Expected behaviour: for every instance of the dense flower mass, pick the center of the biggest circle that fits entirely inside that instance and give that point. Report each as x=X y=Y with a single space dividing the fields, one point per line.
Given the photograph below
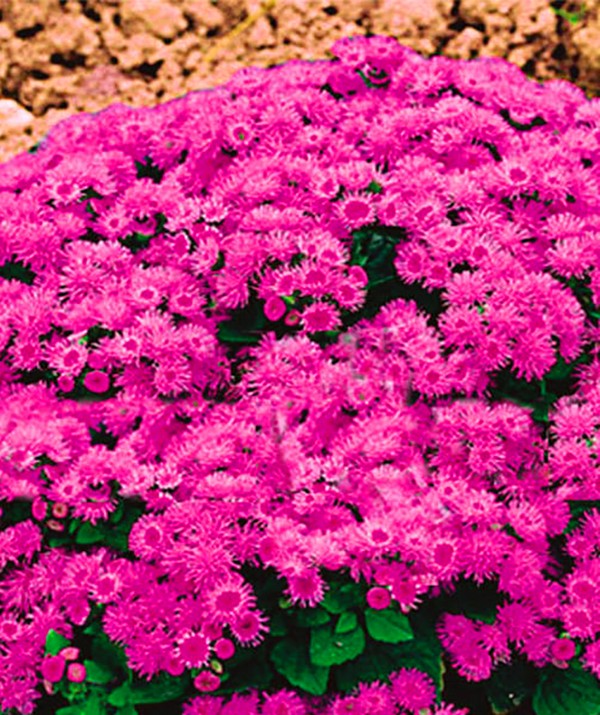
x=334 y=317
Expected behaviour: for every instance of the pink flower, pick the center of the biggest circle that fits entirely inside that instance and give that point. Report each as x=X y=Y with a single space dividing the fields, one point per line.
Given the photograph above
x=356 y=211
x=60 y=510
x=562 y=649
x=412 y=689
x=249 y=628
x=194 y=650
x=379 y=598
x=70 y=653
x=203 y=705
x=274 y=308
x=224 y=649
x=53 y=668
x=76 y=672
x=358 y=275
x=320 y=317
x=174 y=666
x=292 y=318
x=283 y=702
x=65 y=383
x=39 y=508
x=306 y=588
x=591 y=658
x=207 y=681
x=96 y=381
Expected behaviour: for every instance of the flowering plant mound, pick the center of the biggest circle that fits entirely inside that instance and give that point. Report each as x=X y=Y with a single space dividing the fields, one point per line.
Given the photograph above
x=299 y=385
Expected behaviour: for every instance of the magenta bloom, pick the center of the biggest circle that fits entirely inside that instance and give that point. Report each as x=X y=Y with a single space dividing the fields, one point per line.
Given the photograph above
x=70 y=653
x=76 y=672
x=358 y=274
x=412 y=689
x=224 y=648
x=563 y=649
x=379 y=598
x=207 y=681
x=194 y=650
x=274 y=308
x=53 y=668
x=39 y=509
x=96 y=381
x=60 y=510
x=65 y=383
x=292 y=318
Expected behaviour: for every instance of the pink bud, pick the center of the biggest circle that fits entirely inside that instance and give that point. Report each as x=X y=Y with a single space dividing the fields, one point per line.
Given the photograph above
x=562 y=649
x=96 y=381
x=53 y=668
x=224 y=648
x=55 y=525
x=379 y=598
x=76 y=673
x=292 y=318
x=95 y=361
x=206 y=681
x=65 y=383
x=70 y=653
x=38 y=508
x=358 y=274
x=78 y=610
x=174 y=666
x=60 y=510
x=274 y=308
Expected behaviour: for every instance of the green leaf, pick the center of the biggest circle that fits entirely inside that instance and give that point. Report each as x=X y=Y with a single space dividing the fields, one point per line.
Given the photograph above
x=70 y=710
x=342 y=597
x=74 y=525
x=108 y=654
x=567 y=692
x=277 y=625
x=290 y=659
x=98 y=673
x=118 y=513
x=160 y=689
x=88 y=534
x=127 y=709
x=120 y=696
x=388 y=626
x=329 y=648
x=346 y=622
x=374 y=188
x=379 y=659
x=248 y=669
x=228 y=334
x=55 y=642
x=561 y=369
x=93 y=706
x=310 y=617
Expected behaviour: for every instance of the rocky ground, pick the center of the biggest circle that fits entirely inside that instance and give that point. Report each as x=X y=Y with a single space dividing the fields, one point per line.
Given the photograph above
x=58 y=57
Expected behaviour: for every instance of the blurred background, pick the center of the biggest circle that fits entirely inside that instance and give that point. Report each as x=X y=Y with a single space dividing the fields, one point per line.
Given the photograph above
x=59 y=57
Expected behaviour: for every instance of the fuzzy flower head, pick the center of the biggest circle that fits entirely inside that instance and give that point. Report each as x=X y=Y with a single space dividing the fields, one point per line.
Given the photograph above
x=412 y=689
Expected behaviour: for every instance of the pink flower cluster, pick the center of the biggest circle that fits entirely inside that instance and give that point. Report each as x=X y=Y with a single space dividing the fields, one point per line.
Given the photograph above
x=409 y=691
x=119 y=274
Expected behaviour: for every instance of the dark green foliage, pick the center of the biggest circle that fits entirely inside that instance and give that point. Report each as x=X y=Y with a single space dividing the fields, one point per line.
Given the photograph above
x=567 y=692
x=148 y=169
x=17 y=271
x=374 y=248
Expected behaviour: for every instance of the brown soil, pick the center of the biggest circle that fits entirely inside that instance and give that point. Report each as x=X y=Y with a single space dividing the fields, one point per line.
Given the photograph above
x=58 y=57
